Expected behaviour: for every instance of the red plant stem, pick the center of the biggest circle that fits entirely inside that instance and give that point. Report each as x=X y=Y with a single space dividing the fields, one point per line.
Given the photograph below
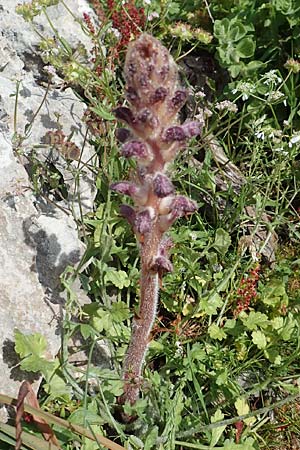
x=143 y=322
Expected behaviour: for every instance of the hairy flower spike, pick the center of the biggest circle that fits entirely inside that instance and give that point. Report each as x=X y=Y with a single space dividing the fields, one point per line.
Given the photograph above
x=153 y=91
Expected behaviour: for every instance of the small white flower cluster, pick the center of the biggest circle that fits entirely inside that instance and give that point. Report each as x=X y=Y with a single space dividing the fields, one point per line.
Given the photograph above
x=274 y=96
x=271 y=78
x=265 y=131
x=227 y=106
x=200 y=94
x=245 y=88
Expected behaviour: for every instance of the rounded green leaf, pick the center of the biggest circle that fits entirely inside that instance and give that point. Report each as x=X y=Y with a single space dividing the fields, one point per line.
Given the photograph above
x=236 y=32
x=246 y=47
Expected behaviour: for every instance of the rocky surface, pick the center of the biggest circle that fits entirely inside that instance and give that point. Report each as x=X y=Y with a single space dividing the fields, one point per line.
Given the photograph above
x=38 y=236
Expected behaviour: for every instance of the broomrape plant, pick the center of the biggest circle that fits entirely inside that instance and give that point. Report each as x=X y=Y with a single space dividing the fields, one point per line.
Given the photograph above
x=152 y=138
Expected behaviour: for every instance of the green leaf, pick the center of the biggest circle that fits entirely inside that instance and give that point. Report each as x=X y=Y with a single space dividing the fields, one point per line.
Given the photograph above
x=246 y=47
x=101 y=321
x=86 y=330
x=288 y=328
x=277 y=323
x=32 y=347
x=222 y=241
x=83 y=415
x=118 y=278
x=216 y=332
x=273 y=356
x=248 y=444
x=119 y=312
x=259 y=339
x=236 y=31
x=102 y=112
x=235 y=69
x=151 y=438
x=254 y=319
x=253 y=66
x=242 y=408
x=221 y=28
x=274 y=293
x=210 y=304
x=216 y=433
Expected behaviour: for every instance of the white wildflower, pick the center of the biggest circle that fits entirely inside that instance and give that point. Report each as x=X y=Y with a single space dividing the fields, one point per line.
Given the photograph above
x=294 y=140
x=227 y=105
x=206 y=113
x=200 y=94
x=260 y=135
x=274 y=96
x=116 y=32
x=153 y=15
x=147 y=2
x=271 y=78
x=245 y=88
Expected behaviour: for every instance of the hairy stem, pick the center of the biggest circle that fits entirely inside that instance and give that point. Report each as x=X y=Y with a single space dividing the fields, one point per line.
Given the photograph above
x=143 y=321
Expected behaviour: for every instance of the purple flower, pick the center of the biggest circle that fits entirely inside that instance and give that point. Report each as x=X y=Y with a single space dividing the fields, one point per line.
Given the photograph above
x=135 y=149
x=125 y=114
x=159 y=95
x=165 y=245
x=179 y=99
x=143 y=221
x=132 y=96
x=191 y=129
x=182 y=132
x=182 y=206
x=162 y=185
x=162 y=265
x=124 y=187
x=175 y=133
x=128 y=213
x=122 y=134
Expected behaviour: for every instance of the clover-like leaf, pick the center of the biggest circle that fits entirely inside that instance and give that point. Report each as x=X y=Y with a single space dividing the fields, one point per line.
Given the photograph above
x=216 y=332
x=31 y=348
x=118 y=278
x=259 y=339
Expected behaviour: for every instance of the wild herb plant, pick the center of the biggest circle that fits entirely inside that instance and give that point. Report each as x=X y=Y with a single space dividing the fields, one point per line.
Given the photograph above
x=153 y=140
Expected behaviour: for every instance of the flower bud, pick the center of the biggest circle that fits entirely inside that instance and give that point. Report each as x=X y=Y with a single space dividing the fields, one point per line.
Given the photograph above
x=124 y=114
x=175 y=133
x=162 y=265
x=128 y=213
x=182 y=206
x=148 y=65
x=138 y=193
x=178 y=100
x=135 y=149
x=159 y=95
x=162 y=185
x=143 y=221
x=124 y=187
x=191 y=129
x=122 y=134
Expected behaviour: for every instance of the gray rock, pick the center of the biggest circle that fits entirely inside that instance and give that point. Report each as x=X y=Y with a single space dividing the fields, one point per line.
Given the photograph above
x=38 y=238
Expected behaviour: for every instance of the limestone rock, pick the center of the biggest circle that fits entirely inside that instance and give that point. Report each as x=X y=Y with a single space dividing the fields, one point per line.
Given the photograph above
x=38 y=239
